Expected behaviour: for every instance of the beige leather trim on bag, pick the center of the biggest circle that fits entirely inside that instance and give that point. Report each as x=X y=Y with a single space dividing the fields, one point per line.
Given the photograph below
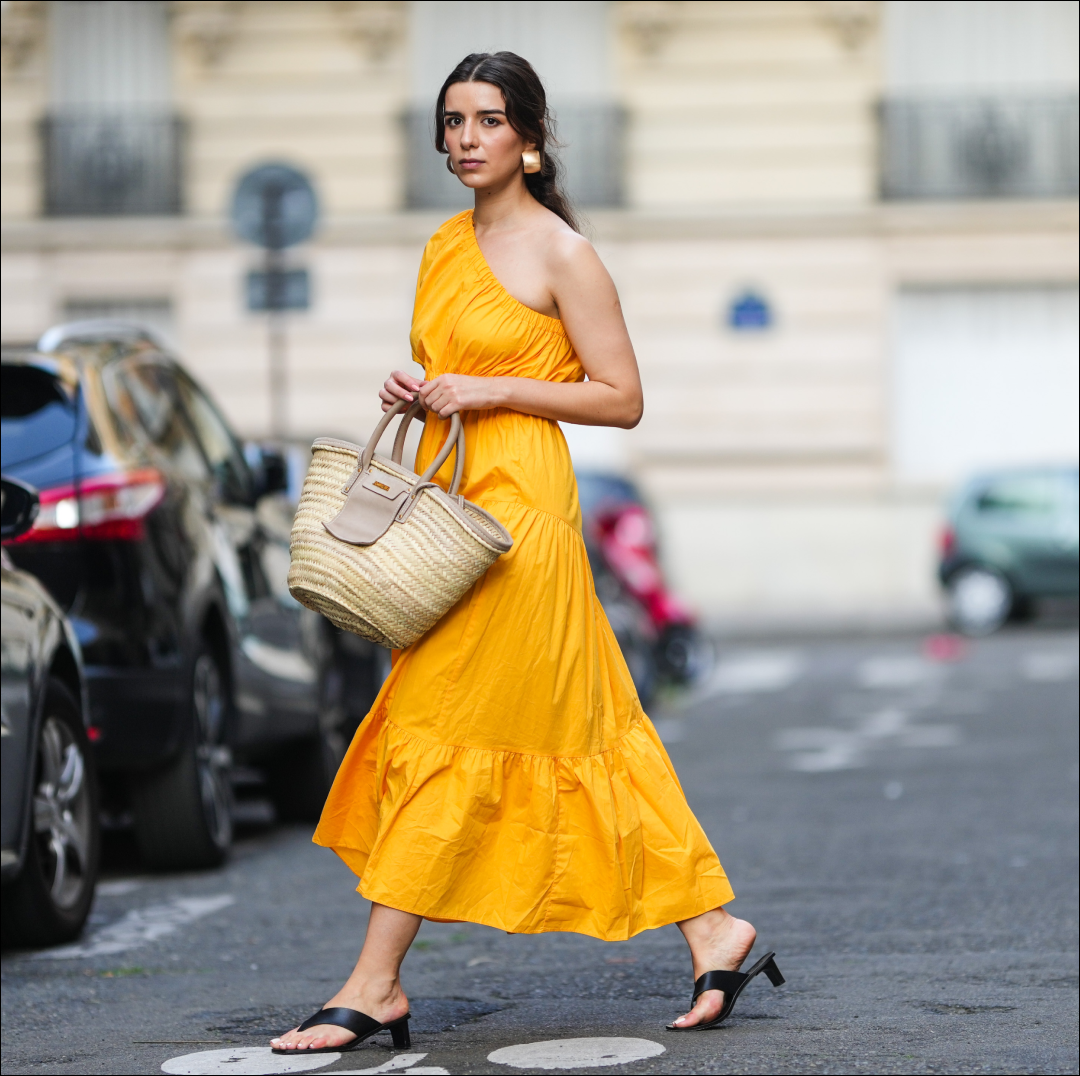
x=381 y=551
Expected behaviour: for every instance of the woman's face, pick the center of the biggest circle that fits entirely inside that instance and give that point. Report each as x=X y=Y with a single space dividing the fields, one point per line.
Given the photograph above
x=484 y=149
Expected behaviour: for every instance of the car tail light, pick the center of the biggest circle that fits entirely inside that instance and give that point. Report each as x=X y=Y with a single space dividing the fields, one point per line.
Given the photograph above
x=107 y=506
x=947 y=541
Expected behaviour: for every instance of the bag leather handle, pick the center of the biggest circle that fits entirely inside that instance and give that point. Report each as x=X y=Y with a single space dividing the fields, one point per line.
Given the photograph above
x=455 y=440
x=416 y=410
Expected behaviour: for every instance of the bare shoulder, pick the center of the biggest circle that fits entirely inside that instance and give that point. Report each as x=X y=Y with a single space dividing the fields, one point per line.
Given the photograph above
x=569 y=255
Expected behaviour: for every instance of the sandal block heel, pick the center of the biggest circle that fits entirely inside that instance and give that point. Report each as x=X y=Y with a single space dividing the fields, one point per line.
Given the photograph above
x=773 y=972
x=732 y=983
x=399 y=1032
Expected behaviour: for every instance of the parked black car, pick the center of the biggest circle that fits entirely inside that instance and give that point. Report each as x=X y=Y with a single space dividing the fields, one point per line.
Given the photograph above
x=167 y=546
x=1011 y=539
x=49 y=802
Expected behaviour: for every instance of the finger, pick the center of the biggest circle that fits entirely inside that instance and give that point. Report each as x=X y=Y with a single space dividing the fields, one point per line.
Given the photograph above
x=407 y=380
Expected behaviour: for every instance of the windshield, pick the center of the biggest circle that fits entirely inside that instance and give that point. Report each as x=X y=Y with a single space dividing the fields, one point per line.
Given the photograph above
x=1034 y=494
x=36 y=414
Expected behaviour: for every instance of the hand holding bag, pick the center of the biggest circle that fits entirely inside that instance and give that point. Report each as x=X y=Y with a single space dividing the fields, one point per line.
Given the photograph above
x=381 y=551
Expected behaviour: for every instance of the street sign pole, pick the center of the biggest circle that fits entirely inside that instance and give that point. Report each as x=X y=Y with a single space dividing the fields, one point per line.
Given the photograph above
x=274 y=206
x=272 y=195
x=275 y=321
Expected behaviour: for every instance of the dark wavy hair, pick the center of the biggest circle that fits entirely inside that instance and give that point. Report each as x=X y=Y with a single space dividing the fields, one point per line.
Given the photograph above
x=526 y=111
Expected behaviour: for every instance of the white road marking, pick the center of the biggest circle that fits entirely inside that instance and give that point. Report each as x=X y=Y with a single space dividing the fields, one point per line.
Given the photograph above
x=822 y=750
x=575 y=1053
x=141 y=926
x=897 y=671
x=1048 y=666
x=398 y=1064
x=751 y=671
x=245 y=1061
x=117 y=889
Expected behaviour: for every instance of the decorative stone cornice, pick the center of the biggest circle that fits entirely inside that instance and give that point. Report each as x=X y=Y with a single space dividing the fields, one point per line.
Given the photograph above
x=206 y=27
x=850 y=21
x=649 y=23
x=1042 y=220
x=22 y=30
x=376 y=25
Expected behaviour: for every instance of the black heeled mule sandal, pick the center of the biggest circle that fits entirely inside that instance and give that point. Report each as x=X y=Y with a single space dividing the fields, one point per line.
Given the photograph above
x=362 y=1026
x=732 y=983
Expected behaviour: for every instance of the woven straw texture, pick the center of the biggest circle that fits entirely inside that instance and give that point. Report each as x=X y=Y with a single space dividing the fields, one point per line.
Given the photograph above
x=392 y=591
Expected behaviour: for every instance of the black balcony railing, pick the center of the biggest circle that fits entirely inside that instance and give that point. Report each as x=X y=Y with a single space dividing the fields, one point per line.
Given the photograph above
x=592 y=153
x=101 y=165
x=993 y=147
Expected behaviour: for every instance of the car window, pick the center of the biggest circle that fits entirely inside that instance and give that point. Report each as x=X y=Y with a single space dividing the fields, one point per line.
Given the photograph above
x=1024 y=495
x=143 y=397
x=220 y=447
x=36 y=414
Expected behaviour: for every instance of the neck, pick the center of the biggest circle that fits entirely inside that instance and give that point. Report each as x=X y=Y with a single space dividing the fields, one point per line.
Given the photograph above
x=502 y=204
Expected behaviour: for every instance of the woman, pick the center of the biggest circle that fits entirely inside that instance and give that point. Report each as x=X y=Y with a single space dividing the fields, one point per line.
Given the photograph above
x=506 y=774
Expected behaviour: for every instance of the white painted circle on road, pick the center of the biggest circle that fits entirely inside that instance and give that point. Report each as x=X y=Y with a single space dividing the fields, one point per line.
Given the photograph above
x=245 y=1061
x=575 y=1053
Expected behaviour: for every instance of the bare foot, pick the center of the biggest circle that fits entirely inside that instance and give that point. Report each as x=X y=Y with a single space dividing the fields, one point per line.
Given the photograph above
x=718 y=942
x=381 y=1001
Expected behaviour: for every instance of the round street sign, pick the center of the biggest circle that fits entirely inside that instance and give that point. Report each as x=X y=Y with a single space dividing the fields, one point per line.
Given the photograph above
x=274 y=206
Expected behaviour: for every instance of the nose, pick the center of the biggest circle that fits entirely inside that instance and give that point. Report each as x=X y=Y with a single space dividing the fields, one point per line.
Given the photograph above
x=470 y=133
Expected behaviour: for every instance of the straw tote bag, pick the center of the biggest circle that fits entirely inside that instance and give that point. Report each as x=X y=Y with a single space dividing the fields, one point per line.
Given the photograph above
x=381 y=551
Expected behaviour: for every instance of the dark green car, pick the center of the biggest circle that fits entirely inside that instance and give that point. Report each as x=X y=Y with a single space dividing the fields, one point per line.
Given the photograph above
x=1011 y=539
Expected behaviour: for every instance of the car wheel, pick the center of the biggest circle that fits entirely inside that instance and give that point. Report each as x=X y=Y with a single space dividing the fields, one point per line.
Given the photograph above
x=684 y=654
x=183 y=813
x=639 y=653
x=299 y=777
x=979 y=600
x=49 y=901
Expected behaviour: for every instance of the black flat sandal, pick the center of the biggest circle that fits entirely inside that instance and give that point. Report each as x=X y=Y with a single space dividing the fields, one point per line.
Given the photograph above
x=363 y=1027
x=732 y=983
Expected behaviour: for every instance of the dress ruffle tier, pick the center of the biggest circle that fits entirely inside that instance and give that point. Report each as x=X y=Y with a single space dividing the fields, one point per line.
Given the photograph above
x=599 y=845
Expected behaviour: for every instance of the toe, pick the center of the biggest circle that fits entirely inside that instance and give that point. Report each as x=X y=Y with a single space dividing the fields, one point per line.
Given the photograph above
x=706 y=1008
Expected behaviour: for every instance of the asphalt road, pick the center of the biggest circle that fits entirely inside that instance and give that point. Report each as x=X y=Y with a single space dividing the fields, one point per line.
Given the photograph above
x=898 y=819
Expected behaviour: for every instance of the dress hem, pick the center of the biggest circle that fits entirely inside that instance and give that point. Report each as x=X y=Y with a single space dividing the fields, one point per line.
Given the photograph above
x=544 y=928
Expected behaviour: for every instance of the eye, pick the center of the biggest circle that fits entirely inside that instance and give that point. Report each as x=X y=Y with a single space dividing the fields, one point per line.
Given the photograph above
x=453 y=121
x=491 y=121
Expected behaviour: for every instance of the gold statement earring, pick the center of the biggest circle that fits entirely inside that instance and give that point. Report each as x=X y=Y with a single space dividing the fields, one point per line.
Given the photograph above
x=530 y=160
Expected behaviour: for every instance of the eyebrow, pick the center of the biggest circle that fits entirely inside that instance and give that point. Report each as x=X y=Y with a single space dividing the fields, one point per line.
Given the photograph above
x=482 y=112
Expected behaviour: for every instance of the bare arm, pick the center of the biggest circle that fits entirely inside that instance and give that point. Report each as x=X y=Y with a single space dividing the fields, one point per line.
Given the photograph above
x=592 y=316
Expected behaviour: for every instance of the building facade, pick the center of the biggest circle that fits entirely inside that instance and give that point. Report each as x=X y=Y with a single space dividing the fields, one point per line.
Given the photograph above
x=844 y=233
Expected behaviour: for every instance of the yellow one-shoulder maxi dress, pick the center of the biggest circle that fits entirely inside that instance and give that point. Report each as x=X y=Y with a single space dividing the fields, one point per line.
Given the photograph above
x=506 y=774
